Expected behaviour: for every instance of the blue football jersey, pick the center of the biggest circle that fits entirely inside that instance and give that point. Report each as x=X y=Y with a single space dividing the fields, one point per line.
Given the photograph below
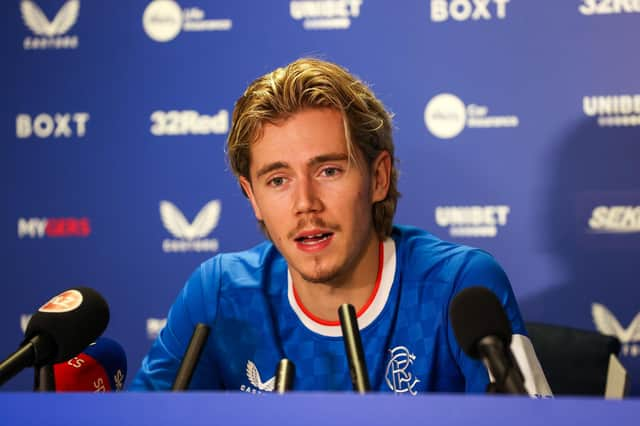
x=248 y=300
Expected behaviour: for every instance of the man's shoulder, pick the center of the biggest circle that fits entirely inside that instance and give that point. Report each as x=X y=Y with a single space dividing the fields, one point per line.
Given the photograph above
x=242 y=268
x=418 y=242
x=421 y=252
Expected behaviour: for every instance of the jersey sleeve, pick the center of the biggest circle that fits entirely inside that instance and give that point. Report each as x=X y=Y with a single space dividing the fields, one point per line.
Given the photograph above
x=481 y=269
x=196 y=303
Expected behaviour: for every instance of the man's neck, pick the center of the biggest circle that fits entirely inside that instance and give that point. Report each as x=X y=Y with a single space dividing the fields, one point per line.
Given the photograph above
x=322 y=300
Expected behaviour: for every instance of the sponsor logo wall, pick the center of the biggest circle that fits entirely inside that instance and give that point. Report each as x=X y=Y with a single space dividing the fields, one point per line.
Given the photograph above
x=517 y=131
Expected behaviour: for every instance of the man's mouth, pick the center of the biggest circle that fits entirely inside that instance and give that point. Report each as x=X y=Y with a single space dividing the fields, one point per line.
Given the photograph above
x=310 y=239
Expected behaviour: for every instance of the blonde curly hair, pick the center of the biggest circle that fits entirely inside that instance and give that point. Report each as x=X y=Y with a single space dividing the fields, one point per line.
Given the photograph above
x=314 y=83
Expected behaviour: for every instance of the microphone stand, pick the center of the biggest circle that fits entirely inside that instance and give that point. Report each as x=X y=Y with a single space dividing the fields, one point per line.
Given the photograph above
x=43 y=379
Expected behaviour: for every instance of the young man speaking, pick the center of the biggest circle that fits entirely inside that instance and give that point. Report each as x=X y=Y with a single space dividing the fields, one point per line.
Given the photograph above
x=312 y=148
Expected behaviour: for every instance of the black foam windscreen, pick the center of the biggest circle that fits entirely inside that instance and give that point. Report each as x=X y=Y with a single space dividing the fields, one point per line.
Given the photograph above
x=71 y=321
x=476 y=313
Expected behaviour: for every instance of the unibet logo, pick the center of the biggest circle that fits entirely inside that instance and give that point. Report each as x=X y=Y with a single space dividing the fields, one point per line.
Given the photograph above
x=325 y=14
x=190 y=236
x=613 y=110
x=472 y=221
x=446 y=116
x=607 y=324
x=163 y=20
x=154 y=326
x=464 y=10
x=58 y=125
x=615 y=219
x=50 y=32
x=609 y=7
x=36 y=227
x=169 y=123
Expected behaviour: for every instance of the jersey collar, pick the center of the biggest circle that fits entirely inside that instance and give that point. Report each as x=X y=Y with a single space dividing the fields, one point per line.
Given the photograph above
x=368 y=313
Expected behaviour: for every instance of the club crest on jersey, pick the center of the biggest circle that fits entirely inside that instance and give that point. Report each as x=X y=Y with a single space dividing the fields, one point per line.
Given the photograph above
x=257 y=385
x=398 y=375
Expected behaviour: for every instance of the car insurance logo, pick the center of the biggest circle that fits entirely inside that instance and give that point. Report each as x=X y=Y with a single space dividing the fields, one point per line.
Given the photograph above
x=163 y=20
x=189 y=122
x=472 y=221
x=50 y=34
x=606 y=323
x=468 y=10
x=613 y=110
x=608 y=7
x=325 y=14
x=57 y=125
x=445 y=116
x=190 y=237
x=54 y=227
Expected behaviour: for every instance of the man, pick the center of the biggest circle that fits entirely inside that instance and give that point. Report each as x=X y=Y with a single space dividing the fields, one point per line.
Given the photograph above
x=312 y=148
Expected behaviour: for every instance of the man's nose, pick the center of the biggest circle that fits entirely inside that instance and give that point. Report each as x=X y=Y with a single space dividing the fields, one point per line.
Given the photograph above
x=307 y=197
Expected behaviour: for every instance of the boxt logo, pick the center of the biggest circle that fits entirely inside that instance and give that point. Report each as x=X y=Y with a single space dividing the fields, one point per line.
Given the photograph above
x=57 y=125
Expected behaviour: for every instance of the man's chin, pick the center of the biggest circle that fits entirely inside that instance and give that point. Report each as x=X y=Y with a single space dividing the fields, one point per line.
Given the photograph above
x=321 y=277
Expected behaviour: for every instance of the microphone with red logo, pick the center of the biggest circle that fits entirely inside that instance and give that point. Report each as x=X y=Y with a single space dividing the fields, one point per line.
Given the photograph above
x=101 y=367
x=59 y=330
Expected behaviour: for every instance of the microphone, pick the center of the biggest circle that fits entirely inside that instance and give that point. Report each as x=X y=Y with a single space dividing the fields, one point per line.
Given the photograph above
x=59 y=330
x=101 y=367
x=191 y=357
x=353 y=347
x=483 y=332
x=285 y=372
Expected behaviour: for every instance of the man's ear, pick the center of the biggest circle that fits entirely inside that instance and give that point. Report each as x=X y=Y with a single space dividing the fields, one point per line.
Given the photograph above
x=380 y=176
x=248 y=189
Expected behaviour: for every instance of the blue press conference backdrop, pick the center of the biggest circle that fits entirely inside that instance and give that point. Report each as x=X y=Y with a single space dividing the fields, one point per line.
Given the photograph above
x=517 y=126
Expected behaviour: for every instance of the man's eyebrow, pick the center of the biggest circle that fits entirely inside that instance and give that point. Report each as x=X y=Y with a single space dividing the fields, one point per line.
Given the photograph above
x=337 y=156
x=271 y=167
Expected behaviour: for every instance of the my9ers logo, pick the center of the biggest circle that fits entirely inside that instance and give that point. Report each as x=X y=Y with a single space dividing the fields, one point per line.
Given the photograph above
x=64 y=302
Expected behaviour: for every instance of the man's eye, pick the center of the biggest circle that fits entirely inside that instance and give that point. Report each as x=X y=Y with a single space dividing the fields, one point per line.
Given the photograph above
x=276 y=181
x=330 y=171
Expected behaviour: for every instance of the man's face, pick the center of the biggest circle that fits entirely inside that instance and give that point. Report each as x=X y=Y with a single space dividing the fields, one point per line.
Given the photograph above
x=316 y=205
